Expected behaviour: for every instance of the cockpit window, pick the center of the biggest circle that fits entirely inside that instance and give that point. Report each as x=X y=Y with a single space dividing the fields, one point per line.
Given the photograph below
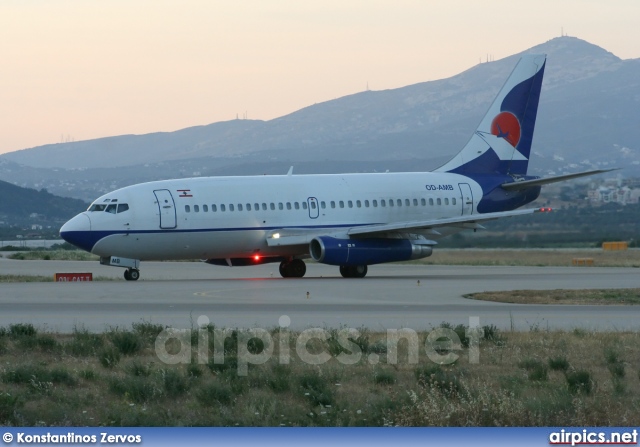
x=112 y=208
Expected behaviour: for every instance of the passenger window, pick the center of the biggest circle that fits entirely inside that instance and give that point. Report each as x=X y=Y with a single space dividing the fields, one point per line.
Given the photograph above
x=280 y=206
x=123 y=207
x=446 y=201
x=399 y=202
x=383 y=203
x=239 y=206
x=272 y=206
x=264 y=206
x=358 y=204
x=313 y=205
x=366 y=204
x=431 y=202
x=187 y=209
x=323 y=205
x=248 y=207
x=439 y=201
x=453 y=201
x=222 y=208
x=333 y=204
x=415 y=202
x=111 y=209
x=231 y=207
x=423 y=202
x=256 y=206
x=375 y=204
x=288 y=205
x=350 y=203
x=304 y=205
x=205 y=208
x=406 y=202
x=390 y=202
x=341 y=204
x=196 y=209
x=296 y=205
x=214 y=208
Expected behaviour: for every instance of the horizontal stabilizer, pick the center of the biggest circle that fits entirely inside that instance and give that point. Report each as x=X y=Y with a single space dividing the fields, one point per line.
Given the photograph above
x=524 y=184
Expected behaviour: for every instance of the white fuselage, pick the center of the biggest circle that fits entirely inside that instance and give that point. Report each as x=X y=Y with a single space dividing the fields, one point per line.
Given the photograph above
x=229 y=217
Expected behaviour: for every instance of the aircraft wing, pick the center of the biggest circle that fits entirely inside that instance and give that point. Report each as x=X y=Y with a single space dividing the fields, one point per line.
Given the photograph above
x=468 y=222
x=301 y=236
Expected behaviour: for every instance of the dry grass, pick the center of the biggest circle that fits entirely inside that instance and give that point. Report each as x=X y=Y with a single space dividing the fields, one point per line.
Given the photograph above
x=559 y=296
x=533 y=257
x=522 y=379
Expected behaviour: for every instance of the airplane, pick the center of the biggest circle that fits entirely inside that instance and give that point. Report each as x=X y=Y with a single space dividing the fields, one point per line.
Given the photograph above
x=347 y=220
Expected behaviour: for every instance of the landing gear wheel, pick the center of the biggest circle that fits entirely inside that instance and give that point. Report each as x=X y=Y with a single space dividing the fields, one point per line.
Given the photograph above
x=131 y=274
x=353 y=271
x=298 y=268
x=293 y=269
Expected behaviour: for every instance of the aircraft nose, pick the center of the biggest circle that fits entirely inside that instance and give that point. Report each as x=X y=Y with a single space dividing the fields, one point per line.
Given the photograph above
x=77 y=232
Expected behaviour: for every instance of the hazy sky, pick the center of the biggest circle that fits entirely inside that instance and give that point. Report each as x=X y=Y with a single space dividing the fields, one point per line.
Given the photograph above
x=85 y=69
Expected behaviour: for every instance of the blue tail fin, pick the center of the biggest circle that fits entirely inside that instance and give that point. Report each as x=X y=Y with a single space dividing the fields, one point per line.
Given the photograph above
x=502 y=142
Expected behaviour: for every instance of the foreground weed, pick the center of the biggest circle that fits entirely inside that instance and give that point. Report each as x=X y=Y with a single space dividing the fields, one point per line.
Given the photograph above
x=175 y=384
x=579 y=382
x=136 y=389
x=128 y=343
x=215 y=393
x=109 y=356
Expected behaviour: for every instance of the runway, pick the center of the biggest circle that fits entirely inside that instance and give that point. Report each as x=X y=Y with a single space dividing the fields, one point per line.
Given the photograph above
x=392 y=296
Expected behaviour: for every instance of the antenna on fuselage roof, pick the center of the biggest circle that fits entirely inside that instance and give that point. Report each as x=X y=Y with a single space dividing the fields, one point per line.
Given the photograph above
x=290 y=171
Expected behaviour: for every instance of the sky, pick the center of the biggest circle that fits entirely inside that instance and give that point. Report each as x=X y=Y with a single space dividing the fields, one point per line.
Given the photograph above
x=80 y=69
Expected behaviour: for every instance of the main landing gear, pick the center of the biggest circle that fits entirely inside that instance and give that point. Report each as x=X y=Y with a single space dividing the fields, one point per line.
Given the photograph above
x=353 y=271
x=296 y=268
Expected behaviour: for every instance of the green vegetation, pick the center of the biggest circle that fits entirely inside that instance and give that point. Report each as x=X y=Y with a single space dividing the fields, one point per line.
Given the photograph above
x=522 y=379
x=560 y=296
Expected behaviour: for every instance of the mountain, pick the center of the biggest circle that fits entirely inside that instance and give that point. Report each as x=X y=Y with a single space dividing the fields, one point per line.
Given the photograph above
x=588 y=116
x=22 y=205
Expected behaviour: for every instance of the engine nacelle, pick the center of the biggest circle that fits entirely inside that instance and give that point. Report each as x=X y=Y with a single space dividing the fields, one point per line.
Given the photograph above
x=332 y=251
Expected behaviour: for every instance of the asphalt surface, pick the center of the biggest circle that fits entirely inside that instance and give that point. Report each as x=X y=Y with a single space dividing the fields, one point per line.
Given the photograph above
x=181 y=294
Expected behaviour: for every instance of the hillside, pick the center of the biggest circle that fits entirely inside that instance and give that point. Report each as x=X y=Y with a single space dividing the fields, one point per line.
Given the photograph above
x=20 y=206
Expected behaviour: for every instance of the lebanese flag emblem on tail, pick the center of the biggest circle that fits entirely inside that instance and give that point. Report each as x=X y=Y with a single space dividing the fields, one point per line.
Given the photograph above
x=184 y=193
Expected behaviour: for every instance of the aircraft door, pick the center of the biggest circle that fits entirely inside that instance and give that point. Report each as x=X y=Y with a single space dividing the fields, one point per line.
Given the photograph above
x=166 y=208
x=314 y=208
x=467 y=198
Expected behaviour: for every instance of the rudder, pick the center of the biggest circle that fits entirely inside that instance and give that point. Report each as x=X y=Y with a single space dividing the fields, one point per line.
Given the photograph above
x=502 y=142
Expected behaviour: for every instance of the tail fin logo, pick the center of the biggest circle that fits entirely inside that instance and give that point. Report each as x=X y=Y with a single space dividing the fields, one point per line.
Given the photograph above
x=506 y=125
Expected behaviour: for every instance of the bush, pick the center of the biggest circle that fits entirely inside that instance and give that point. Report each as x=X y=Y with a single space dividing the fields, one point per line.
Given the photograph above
x=137 y=389
x=33 y=373
x=109 y=356
x=175 y=383
x=279 y=379
x=434 y=376
x=559 y=364
x=8 y=406
x=22 y=330
x=384 y=377
x=126 y=342
x=84 y=343
x=137 y=369
x=316 y=388
x=215 y=392
x=579 y=382
x=147 y=330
